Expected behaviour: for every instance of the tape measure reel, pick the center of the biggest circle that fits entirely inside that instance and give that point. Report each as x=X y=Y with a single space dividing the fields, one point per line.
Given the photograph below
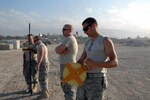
x=74 y=74
x=25 y=49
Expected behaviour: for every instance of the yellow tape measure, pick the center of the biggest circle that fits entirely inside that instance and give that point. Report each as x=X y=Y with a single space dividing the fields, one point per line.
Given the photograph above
x=74 y=74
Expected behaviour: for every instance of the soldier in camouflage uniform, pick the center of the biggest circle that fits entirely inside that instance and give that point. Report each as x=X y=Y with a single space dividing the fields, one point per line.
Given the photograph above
x=98 y=55
x=67 y=51
x=26 y=64
x=43 y=65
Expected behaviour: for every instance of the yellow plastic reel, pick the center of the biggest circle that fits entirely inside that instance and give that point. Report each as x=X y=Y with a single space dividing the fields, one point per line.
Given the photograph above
x=74 y=74
x=25 y=49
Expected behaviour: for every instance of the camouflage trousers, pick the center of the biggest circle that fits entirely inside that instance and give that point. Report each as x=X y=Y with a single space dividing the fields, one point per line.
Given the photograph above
x=30 y=73
x=67 y=89
x=93 y=88
x=43 y=75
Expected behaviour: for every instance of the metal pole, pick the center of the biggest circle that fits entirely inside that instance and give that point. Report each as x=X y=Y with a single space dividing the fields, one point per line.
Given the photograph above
x=30 y=62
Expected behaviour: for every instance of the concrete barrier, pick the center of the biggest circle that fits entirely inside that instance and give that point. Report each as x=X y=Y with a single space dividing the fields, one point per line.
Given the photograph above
x=16 y=43
x=6 y=46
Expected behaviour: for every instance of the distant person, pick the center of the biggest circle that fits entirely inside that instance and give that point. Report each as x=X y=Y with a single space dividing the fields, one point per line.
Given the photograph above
x=67 y=51
x=98 y=55
x=43 y=65
x=44 y=41
x=30 y=74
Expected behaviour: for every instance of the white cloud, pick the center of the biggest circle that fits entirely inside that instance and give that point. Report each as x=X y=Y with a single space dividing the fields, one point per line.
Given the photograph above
x=113 y=10
x=14 y=19
x=89 y=10
x=135 y=17
x=13 y=22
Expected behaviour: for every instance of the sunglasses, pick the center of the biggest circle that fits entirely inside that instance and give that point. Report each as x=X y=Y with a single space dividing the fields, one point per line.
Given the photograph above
x=35 y=41
x=86 y=28
x=64 y=29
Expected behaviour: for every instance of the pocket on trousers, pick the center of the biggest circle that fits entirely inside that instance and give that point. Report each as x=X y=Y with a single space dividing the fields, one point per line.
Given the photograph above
x=104 y=82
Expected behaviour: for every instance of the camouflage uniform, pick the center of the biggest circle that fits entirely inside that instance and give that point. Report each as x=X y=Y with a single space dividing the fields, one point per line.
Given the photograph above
x=67 y=89
x=26 y=65
x=43 y=75
x=94 y=85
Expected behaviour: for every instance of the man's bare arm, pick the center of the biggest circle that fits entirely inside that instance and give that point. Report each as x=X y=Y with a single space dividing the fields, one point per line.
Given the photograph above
x=41 y=57
x=61 y=49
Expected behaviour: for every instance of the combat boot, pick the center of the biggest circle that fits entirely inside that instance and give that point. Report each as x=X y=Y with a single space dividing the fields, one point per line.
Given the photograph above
x=35 y=88
x=44 y=94
x=28 y=89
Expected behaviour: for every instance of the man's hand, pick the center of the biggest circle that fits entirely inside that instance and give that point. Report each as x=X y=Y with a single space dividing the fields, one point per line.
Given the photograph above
x=89 y=63
x=37 y=67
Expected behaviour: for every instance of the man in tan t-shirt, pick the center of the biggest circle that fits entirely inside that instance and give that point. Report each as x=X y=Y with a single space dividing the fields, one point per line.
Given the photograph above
x=67 y=51
x=43 y=65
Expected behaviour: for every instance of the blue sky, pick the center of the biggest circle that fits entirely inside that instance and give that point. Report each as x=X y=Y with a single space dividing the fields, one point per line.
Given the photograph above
x=49 y=16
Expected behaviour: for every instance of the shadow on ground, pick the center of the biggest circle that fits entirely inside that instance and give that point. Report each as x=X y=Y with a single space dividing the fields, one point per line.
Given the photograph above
x=17 y=95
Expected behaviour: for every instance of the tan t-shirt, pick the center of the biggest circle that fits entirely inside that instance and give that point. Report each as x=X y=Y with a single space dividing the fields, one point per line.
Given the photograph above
x=71 y=43
x=45 y=59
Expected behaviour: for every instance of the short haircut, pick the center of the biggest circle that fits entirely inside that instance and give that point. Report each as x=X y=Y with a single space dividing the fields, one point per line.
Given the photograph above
x=37 y=38
x=29 y=35
x=90 y=20
x=68 y=25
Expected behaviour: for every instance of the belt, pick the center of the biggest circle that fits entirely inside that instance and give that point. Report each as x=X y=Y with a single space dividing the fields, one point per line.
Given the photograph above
x=31 y=61
x=95 y=74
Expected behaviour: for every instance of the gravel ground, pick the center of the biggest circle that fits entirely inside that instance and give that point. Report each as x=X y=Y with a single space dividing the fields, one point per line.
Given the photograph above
x=129 y=81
